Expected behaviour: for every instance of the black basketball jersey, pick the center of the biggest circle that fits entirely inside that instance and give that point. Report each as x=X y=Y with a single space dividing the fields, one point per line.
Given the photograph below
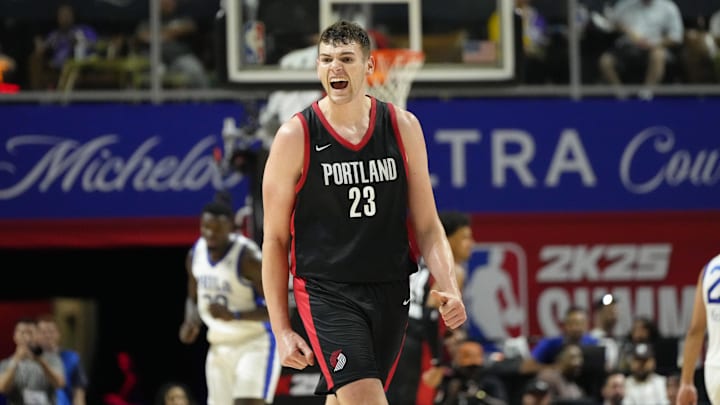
x=350 y=218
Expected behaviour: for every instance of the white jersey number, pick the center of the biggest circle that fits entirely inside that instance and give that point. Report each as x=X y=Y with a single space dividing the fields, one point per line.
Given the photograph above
x=712 y=292
x=217 y=299
x=363 y=202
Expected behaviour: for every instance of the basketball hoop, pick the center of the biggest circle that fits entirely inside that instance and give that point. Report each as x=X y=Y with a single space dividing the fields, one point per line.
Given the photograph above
x=395 y=70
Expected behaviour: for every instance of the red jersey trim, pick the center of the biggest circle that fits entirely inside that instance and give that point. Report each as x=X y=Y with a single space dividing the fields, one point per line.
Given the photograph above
x=306 y=153
x=414 y=248
x=391 y=373
x=368 y=133
x=398 y=137
x=302 y=300
x=299 y=186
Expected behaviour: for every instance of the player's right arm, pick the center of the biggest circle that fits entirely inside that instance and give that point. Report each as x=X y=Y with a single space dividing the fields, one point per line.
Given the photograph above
x=687 y=394
x=190 y=328
x=283 y=170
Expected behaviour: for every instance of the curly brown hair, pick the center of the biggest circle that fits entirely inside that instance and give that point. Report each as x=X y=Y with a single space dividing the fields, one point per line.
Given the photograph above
x=345 y=32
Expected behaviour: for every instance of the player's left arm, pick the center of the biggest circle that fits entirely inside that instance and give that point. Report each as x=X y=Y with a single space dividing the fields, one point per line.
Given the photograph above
x=429 y=233
x=432 y=302
x=251 y=265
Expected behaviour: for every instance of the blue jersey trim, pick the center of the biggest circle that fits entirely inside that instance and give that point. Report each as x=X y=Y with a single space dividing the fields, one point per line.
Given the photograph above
x=271 y=360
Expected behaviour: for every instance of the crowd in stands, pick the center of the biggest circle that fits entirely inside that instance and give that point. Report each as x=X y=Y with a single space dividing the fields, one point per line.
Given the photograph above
x=586 y=364
x=589 y=362
x=41 y=370
x=646 y=42
x=73 y=53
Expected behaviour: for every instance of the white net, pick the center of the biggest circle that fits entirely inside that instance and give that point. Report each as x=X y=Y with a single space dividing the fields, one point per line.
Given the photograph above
x=395 y=70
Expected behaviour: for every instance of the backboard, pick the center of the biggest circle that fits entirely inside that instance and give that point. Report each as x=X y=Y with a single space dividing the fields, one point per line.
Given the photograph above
x=452 y=33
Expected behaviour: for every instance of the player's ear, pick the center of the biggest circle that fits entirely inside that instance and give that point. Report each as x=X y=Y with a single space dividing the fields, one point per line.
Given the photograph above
x=370 y=64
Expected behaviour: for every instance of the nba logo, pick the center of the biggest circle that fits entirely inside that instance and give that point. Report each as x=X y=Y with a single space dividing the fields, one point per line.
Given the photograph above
x=495 y=293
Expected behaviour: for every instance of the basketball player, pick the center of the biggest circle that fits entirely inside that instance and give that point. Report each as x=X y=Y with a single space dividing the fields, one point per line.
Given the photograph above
x=423 y=328
x=225 y=293
x=346 y=187
x=705 y=317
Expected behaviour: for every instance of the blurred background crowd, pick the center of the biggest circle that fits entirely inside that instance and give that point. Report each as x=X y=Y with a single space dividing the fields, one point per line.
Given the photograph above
x=105 y=44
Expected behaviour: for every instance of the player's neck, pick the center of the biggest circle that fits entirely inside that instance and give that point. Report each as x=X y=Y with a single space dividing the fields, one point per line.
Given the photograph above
x=349 y=120
x=216 y=254
x=351 y=113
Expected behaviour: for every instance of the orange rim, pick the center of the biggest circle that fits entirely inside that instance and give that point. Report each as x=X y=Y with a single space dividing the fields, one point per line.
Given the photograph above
x=388 y=58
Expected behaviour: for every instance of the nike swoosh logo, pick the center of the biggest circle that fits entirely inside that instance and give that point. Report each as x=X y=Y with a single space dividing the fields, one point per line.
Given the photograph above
x=322 y=148
x=407 y=301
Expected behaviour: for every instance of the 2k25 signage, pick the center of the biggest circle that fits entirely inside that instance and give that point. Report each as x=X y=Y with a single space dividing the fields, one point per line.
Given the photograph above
x=104 y=169
x=527 y=270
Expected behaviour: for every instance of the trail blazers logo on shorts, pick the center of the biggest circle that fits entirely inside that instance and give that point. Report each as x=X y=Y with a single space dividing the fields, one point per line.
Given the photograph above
x=337 y=360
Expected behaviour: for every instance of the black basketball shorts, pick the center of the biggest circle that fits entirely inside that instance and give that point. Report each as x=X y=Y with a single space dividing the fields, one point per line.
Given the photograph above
x=356 y=331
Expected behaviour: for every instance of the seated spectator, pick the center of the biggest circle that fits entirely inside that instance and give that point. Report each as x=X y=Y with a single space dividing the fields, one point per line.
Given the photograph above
x=68 y=40
x=613 y=391
x=700 y=51
x=562 y=376
x=468 y=381
x=644 y=386
x=176 y=51
x=536 y=392
x=174 y=393
x=714 y=31
x=574 y=331
x=534 y=40
x=643 y=330
x=649 y=30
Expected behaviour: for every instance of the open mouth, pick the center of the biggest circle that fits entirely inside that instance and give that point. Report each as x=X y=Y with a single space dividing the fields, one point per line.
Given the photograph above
x=339 y=84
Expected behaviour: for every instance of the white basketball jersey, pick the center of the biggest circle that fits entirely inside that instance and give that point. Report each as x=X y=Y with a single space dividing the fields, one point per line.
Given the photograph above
x=224 y=283
x=418 y=288
x=711 y=295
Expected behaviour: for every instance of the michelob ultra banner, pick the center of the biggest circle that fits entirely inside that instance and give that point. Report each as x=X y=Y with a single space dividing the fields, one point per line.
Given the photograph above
x=97 y=172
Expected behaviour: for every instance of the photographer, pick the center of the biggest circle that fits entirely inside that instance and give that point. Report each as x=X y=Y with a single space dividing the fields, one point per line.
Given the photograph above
x=30 y=376
x=76 y=380
x=468 y=381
